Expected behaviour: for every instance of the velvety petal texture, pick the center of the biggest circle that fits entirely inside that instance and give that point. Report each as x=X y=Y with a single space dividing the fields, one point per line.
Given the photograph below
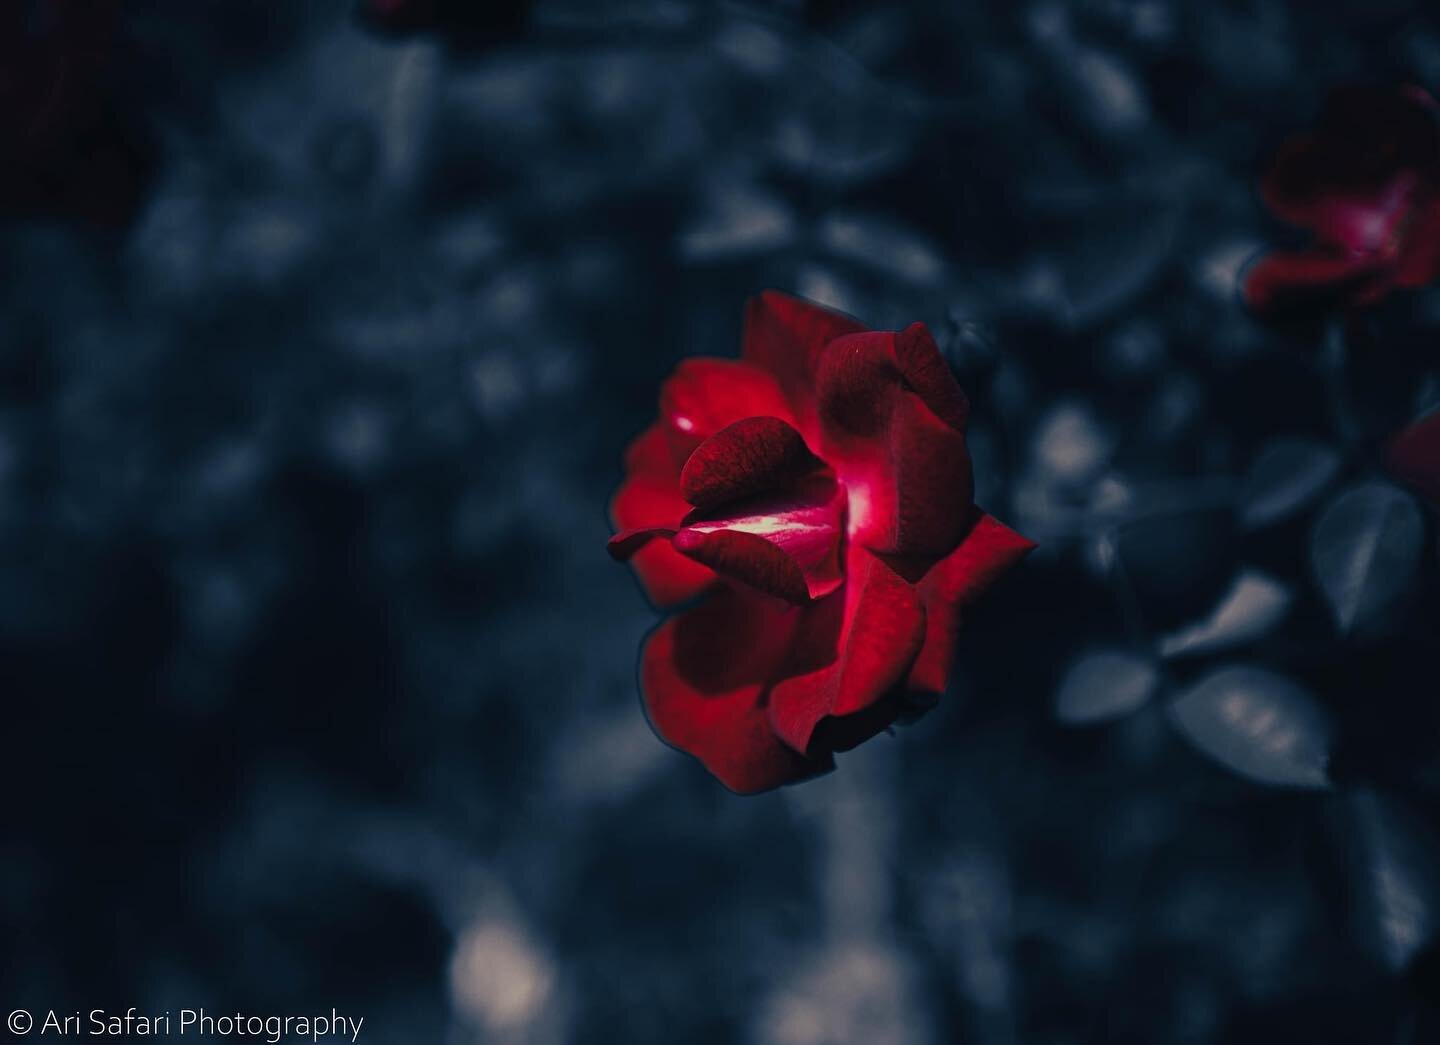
x=785 y=544
x=850 y=651
x=749 y=456
x=787 y=336
x=1366 y=185
x=987 y=551
x=648 y=499
x=892 y=423
x=818 y=494
x=705 y=676
x=699 y=399
x=705 y=395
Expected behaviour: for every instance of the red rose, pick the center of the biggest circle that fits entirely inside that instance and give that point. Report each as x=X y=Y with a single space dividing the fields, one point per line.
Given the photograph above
x=1413 y=456
x=1366 y=184
x=818 y=493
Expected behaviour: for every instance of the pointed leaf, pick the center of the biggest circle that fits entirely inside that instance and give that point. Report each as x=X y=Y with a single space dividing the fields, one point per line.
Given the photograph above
x=1364 y=549
x=1104 y=685
x=1116 y=259
x=1286 y=476
x=1258 y=724
x=1388 y=864
x=1253 y=606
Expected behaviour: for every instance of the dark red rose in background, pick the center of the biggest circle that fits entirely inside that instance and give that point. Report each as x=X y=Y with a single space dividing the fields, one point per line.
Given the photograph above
x=818 y=493
x=1366 y=184
x=68 y=147
x=1414 y=456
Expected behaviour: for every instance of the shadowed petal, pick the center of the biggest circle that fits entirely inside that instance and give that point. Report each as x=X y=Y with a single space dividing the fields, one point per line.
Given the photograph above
x=786 y=544
x=1419 y=261
x=747 y=457
x=1285 y=280
x=850 y=649
x=786 y=335
x=783 y=544
x=892 y=426
x=987 y=551
x=749 y=559
x=704 y=676
x=625 y=544
x=1365 y=183
x=649 y=502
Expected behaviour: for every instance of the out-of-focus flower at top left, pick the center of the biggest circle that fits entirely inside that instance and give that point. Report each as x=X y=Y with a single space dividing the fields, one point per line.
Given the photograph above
x=1366 y=184
x=818 y=493
x=71 y=149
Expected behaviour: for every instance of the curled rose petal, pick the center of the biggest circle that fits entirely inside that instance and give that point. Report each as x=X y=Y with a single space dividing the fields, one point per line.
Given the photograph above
x=649 y=499
x=805 y=523
x=749 y=456
x=646 y=504
x=703 y=396
x=892 y=425
x=628 y=543
x=704 y=677
x=989 y=550
x=786 y=336
x=850 y=650
x=783 y=544
x=749 y=559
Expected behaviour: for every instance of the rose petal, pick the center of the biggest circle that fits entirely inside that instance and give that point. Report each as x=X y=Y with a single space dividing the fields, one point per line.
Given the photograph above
x=650 y=455
x=748 y=559
x=850 y=649
x=625 y=544
x=704 y=677
x=1414 y=456
x=987 y=551
x=786 y=336
x=1283 y=280
x=786 y=544
x=703 y=396
x=647 y=502
x=837 y=733
x=700 y=398
x=892 y=424
x=747 y=457
x=928 y=375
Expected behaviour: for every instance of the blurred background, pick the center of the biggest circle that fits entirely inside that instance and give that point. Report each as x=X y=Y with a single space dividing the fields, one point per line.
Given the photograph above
x=323 y=331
